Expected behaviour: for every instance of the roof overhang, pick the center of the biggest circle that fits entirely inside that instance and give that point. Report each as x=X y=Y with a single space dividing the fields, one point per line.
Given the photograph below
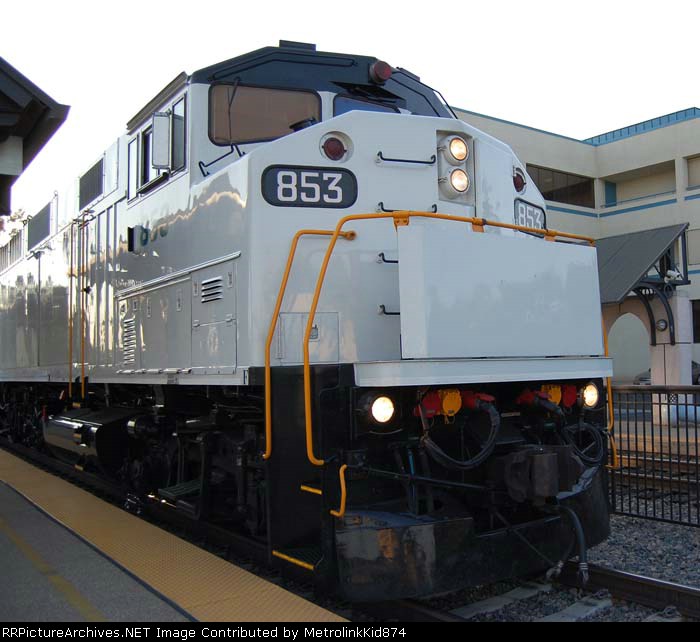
x=646 y=264
x=625 y=261
x=28 y=119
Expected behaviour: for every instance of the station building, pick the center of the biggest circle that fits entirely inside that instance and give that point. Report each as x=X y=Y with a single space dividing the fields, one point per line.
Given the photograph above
x=637 y=178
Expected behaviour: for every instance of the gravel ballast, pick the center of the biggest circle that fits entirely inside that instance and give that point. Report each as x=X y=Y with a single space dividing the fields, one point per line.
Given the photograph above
x=654 y=549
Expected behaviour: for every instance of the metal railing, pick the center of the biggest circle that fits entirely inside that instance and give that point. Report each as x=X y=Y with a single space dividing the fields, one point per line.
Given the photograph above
x=657 y=476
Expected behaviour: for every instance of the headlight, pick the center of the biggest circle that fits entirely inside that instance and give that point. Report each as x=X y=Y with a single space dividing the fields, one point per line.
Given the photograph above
x=458 y=149
x=382 y=410
x=459 y=180
x=590 y=396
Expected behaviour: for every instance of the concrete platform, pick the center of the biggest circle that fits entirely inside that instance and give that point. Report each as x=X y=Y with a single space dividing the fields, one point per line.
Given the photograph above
x=50 y=574
x=67 y=555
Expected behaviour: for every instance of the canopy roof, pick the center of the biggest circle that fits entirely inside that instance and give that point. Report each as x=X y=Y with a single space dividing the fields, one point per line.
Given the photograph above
x=28 y=119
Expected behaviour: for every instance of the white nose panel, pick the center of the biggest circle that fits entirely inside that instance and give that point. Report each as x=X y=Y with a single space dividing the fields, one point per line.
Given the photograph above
x=472 y=295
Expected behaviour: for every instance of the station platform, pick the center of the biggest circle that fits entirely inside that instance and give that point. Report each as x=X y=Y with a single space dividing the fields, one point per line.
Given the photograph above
x=66 y=555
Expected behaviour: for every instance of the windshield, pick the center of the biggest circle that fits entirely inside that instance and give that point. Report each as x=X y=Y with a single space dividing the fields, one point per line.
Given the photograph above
x=239 y=114
x=344 y=104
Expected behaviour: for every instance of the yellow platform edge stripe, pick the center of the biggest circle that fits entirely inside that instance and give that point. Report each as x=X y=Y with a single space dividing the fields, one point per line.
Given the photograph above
x=205 y=586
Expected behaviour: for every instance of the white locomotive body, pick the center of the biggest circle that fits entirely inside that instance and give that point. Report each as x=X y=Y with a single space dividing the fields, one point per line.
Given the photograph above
x=453 y=343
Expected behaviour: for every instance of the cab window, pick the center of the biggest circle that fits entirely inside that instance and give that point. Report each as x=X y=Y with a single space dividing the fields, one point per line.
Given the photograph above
x=239 y=114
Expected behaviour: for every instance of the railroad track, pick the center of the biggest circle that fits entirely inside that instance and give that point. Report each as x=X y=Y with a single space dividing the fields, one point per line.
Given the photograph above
x=656 y=594
x=642 y=481
x=605 y=590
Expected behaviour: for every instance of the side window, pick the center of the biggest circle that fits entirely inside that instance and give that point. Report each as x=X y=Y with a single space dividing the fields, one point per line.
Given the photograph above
x=240 y=114
x=148 y=172
x=133 y=167
x=178 y=135
x=162 y=142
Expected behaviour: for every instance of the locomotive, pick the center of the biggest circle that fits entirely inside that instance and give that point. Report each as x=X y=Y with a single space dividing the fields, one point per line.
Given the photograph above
x=301 y=299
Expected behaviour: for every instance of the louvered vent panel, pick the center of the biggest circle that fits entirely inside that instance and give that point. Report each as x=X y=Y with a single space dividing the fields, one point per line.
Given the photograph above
x=91 y=184
x=212 y=290
x=129 y=340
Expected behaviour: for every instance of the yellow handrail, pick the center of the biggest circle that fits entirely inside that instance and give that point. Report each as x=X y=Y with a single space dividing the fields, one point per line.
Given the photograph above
x=70 y=317
x=311 y=489
x=293 y=560
x=611 y=410
x=273 y=324
x=83 y=304
x=400 y=218
x=343 y=493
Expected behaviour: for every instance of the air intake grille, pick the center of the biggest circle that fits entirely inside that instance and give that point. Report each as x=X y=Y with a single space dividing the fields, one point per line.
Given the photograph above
x=212 y=290
x=129 y=340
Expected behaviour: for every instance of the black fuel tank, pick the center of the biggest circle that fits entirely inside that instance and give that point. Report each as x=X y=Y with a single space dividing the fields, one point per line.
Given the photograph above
x=98 y=435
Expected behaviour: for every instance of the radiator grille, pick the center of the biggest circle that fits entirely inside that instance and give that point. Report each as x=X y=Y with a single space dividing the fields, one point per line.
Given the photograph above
x=129 y=340
x=212 y=290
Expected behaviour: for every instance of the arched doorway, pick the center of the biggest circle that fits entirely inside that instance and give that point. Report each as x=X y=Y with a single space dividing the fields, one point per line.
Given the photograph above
x=628 y=341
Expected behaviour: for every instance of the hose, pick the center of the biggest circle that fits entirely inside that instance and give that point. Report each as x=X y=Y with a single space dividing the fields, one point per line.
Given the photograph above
x=597 y=437
x=581 y=543
x=598 y=440
x=554 y=572
x=441 y=457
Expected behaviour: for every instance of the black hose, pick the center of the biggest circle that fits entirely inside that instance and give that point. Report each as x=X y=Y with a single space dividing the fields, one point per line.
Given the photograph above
x=555 y=571
x=425 y=465
x=580 y=541
x=441 y=457
x=598 y=442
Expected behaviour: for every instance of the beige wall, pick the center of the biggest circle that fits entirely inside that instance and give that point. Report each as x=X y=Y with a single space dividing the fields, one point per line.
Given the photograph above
x=629 y=348
x=659 y=181
x=694 y=171
x=537 y=147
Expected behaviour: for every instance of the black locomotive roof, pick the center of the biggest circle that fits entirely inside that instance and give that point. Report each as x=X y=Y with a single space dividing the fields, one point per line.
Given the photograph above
x=300 y=66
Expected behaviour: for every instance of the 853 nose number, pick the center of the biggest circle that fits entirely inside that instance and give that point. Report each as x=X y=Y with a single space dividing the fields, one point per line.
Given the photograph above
x=285 y=186
x=528 y=215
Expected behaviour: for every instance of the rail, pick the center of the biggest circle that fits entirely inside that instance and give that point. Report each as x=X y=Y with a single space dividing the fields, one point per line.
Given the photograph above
x=83 y=302
x=343 y=493
x=71 y=277
x=654 y=593
x=611 y=411
x=658 y=436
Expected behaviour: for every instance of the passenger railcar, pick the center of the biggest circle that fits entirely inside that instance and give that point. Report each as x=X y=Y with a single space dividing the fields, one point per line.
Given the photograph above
x=300 y=298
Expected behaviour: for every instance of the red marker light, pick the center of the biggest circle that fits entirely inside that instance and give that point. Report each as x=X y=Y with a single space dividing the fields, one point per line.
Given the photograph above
x=432 y=405
x=333 y=148
x=380 y=72
x=569 y=396
x=519 y=180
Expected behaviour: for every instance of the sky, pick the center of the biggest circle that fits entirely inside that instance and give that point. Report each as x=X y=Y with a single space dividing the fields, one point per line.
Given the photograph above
x=573 y=68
